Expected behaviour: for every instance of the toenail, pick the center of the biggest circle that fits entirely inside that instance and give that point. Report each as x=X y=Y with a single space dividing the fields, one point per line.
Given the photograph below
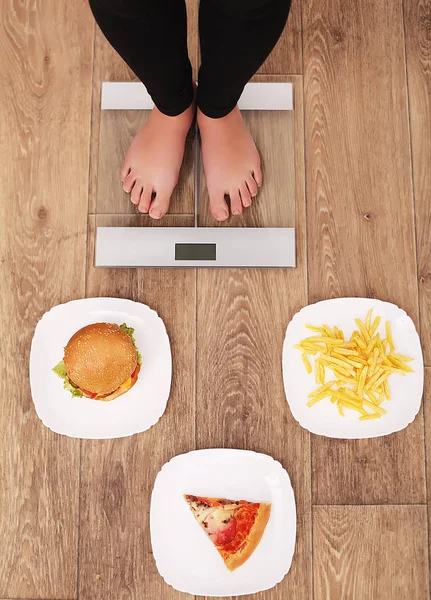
x=155 y=214
x=222 y=214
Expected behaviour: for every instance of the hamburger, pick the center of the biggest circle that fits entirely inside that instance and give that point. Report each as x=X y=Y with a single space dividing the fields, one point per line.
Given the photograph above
x=101 y=361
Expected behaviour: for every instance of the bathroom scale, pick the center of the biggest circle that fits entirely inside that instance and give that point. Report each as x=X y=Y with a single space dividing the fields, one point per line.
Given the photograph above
x=197 y=246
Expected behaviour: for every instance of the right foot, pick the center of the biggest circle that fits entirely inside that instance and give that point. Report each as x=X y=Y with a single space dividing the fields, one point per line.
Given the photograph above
x=153 y=161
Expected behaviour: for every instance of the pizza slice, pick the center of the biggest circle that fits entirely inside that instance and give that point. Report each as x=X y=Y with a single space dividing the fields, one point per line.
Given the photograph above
x=235 y=527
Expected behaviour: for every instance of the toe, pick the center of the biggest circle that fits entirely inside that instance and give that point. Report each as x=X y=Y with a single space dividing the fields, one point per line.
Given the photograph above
x=145 y=201
x=258 y=176
x=235 y=202
x=160 y=204
x=129 y=182
x=252 y=186
x=219 y=208
x=245 y=195
x=135 y=195
x=125 y=170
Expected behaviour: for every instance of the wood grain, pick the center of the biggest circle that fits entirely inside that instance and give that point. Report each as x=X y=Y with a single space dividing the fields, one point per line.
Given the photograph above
x=427 y=418
x=360 y=214
x=117 y=476
x=417 y=18
x=241 y=321
x=44 y=138
x=286 y=58
x=373 y=552
x=274 y=133
x=117 y=130
x=192 y=7
x=107 y=66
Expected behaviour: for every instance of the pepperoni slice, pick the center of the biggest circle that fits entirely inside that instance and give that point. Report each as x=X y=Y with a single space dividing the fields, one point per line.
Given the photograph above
x=226 y=535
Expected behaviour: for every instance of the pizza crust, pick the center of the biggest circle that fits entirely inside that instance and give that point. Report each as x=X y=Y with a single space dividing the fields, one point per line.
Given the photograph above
x=233 y=561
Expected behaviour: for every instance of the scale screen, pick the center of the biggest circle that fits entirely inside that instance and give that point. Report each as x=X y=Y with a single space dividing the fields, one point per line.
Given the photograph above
x=195 y=252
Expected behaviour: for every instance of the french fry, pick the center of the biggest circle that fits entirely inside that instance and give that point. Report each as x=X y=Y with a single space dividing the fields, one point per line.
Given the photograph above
x=389 y=337
x=374 y=359
x=362 y=380
x=370 y=347
x=381 y=379
x=374 y=407
x=386 y=390
x=331 y=360
x=374 y=326
x=346 y=351
x=369 y=417
x=362 y=366
x=368 y=319
x=401 y=357
x=400 y=364
x=322 y=389
x=307 y=364
x=317 y=329
x=322 y=373
x=317 y=372
x=324 y=339
x=328 y=331
x=316 y=399
x=348 y=404
x=338 y=333
x=363 y=330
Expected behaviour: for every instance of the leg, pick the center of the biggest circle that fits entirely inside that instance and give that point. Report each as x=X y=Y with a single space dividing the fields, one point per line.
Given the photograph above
x=151 y=36
x=236 y=37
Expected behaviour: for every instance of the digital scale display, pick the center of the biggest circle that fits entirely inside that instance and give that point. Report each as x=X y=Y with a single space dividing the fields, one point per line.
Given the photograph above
x=195 y=252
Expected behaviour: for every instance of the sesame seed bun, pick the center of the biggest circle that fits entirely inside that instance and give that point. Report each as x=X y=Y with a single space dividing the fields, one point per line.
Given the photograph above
x=99 y=358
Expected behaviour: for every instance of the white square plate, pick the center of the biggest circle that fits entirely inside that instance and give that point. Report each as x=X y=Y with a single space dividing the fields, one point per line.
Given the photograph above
x=323 y=418
x=185 y=556
x=133 y=412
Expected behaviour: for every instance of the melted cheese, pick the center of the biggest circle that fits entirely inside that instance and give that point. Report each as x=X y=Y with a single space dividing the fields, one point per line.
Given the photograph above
x=213 y=518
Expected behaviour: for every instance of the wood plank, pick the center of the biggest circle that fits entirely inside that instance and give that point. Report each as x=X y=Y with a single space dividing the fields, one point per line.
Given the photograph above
x=274 y=133
x=44 y=140
x=427 y=418
x=242 y=316
x=117 y=476
x=107 y=66
x=117 y=130
x=370 y=552
x=360 y=214
x=286 y=58
x=192 y=7
x=417 y=18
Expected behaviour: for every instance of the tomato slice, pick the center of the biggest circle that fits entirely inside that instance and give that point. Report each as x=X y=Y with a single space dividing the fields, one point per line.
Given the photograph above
x=89 y=394
x=135 y=372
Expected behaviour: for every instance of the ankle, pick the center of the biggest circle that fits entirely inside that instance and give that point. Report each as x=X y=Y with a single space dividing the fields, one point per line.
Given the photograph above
x=203 y=119
x=181 y=121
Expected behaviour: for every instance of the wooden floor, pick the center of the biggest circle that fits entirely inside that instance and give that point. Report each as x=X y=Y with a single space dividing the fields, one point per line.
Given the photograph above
x=74 y=514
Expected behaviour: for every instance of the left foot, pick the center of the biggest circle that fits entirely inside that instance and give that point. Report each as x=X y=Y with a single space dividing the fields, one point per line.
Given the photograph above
x=231 y=163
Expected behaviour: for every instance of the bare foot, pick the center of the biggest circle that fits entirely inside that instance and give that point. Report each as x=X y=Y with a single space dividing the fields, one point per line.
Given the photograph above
x=231 y=163
x=153 y=161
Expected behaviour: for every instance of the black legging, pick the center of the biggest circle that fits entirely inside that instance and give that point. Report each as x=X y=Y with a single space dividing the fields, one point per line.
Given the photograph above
x=151 y=36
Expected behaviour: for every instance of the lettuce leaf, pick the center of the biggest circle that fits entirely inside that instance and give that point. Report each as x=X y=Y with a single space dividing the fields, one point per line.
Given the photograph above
x=130 y=331
x=60 y=370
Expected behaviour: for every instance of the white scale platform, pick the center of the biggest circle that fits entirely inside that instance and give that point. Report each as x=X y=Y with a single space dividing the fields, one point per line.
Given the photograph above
x=196 y=246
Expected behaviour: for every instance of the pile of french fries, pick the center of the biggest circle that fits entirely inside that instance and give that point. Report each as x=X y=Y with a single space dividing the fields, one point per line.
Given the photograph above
x=360 y=366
